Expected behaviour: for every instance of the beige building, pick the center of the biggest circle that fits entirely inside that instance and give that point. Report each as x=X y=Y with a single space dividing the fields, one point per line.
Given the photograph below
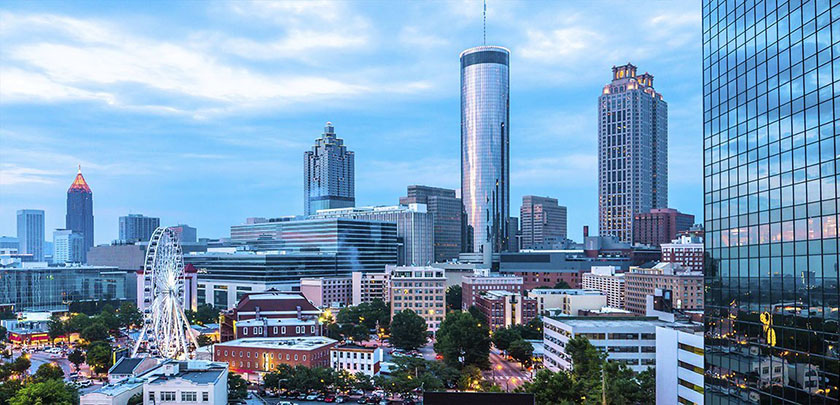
x=686 y=286
x=328 y=291
x=606 y=280
x=567 y=301
x=420 y=289
x=367 y=287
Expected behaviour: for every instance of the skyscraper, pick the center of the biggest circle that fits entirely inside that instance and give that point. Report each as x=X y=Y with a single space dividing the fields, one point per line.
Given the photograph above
x=632 y=151
x=328 y=174
x=80 y=211
x=446 y=212
x=770 y=131
x=67 y=246
x=137 y=228
x=30 y=233
x=541 y=220
x=485 y=145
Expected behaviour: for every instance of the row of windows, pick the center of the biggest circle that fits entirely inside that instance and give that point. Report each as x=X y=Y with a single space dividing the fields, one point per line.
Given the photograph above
x=186 y=396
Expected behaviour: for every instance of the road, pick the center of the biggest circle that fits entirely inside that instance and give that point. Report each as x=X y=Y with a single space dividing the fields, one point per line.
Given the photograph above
x=506 y=374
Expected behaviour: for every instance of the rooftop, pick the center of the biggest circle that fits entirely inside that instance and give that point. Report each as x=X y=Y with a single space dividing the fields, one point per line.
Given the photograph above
x=275 y=322
x=296 y=343
x=612 y=322
x=118 y=388
x=195 y=371
x=566 y=291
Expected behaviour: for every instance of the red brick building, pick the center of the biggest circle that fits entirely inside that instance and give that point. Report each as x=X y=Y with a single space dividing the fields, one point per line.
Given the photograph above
x=270 y=309
x=260 y=355
x=534 y=279
x=472 y=286
x=660 y=225
x=686 y=250
x=504 y=308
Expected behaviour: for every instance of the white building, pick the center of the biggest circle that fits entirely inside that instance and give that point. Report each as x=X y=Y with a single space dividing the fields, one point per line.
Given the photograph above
x=113 y=394
x=606 y=280
x=130 y=367
x=355 y=359
x=679 y=370
x=195 y=381
x=420 y=289
x=568 y=301
x=687 y=250
x=68 y=247
x=368 y=287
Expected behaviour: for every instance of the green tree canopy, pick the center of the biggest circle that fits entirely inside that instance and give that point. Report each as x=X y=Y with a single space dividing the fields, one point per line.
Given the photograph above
x=48 y=371
x=408 y=330
x=77 y=323
x=96 y=331
x=129 y=315
x=56 y=327
x=454 y=295
x=99 y=355
x=522 y=351
x=204 y=314
x=237 y=386
x=53 y=392
x=77 y=357
x=21 y=365
x=463 y=340
x=503 y=337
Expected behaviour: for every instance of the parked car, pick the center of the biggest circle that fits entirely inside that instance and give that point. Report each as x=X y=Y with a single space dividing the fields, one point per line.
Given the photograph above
x=85 y=383
x=286 y=403
x=311 y=397
x=329 y=398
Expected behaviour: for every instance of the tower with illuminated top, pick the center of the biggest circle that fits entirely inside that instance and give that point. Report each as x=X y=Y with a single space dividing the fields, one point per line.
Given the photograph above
x=79 y=217
x=632 y=151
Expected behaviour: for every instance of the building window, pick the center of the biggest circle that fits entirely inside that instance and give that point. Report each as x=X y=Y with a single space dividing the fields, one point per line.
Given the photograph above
x=188 y=396
x=205 y=396
x=167 y=396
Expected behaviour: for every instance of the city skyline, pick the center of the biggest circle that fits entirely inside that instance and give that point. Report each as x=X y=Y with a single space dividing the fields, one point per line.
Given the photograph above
x=404 y=130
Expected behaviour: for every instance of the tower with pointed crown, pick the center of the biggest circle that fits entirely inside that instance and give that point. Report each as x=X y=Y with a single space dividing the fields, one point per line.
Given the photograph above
x=79 y=217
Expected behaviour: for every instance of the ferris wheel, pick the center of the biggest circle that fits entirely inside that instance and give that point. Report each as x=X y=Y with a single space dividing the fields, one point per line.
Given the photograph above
x=166 y=331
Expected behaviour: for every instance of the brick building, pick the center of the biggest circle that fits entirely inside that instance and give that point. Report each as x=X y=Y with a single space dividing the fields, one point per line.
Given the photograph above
x=472 y=286
x=686 y=286
x=660 y=225
x=270 y=305
x=686 y=250
x=259 y=355
x=505 y=308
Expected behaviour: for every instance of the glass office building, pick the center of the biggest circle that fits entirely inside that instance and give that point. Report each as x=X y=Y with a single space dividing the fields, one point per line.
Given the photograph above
x=328 y=174
x=771 y=75
x=485 y=146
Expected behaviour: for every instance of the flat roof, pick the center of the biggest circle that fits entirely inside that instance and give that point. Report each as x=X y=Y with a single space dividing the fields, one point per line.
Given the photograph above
x=289 y=343
x=275 y=322
x=612 y=322
x=119 y=388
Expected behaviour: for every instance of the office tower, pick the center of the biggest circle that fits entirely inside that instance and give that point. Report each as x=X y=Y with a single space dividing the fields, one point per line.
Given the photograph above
x=421 y=289
x=30 y=233
x=446 y=212
x=660 y=225
x=770 y=143
x=485 y=146
x=415 y=228
x=67 y=246
x=632 y=151
x=542 y=221
x=328 y=179
x=685 y=285
x=80 y=211
x=137 y=228
x=186 y=233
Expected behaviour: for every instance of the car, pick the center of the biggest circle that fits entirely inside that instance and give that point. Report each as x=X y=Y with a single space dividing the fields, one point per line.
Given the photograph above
x=286 y=403
x=85 y=383
x=302 y=396
x=438 y=357
x=384 y=402
x=320 y=397
x=340 y=400
x=311 y=397
x=362 y=400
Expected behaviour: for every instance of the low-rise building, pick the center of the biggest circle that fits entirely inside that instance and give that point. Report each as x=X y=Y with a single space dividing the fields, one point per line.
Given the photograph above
x=504 y=308
x=328 y=291
x=271 y=304
x=356 y=359
x=472 y=286
x=608 y=281
x=368 y=287
x=277 y=327
x=686 y=286
x=193 y=381
x=253 y=356
x=568 y=301
x=420 y=289
x=679 y=370
x=113 y=394
x=130 y=367
x=687 y=250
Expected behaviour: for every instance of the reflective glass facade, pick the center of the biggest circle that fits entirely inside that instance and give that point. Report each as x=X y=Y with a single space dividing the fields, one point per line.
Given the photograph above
x=328 y=174
x=485 y=142
x=771 y=75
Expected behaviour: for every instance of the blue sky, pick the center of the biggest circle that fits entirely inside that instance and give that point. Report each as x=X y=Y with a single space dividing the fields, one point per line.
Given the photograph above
x=199 y=112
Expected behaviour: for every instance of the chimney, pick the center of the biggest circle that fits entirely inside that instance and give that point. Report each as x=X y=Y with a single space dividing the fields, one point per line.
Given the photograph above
x=586 y=231
x=257 y=312
x=299 y=312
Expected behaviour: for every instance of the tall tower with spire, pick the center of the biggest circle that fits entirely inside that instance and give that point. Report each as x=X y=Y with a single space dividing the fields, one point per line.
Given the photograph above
x=328 y=179
x=79 y=217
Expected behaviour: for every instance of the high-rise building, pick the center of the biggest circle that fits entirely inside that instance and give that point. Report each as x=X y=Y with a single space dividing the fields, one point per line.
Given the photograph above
x=660 y=225
x=137 y=228
x=328 y=174
x=186 y=233
x=770 y=129
x=541 y=220
x=686 y=286
x=686 y=250
x=632 y=151
x=485 y=148
x=80 y=211
x=67 y=246
x=420 y=289
x=30 y=233
x=446 y=211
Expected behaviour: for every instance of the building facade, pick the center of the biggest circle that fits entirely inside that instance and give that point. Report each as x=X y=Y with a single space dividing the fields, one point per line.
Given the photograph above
x=679 y=370
x=686 y=286
x=328 y=174
x=356 y=359
x=137 y=228
x=446 y=210
x=415 y=228
x=660 y=225
x=686 y=250
x=770 y=147
x=194 y=381
x=503 y=309
x=473 y=285
x=632 y=151
x=485 y=148
x=567 y=301
x=68 y=247
x=252 y=356
x=266 y=310
x=186 y=233
x=80 y=211
x=124 y=257
x=368 y=287
x=547 y=268
x=609 y=282
x=328 y=291
x=40 y=288
x=30 y=233
x=541 y=220
x=420 y=289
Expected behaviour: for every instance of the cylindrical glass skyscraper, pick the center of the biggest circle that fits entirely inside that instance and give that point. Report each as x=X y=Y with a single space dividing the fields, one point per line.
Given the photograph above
x=485 y=146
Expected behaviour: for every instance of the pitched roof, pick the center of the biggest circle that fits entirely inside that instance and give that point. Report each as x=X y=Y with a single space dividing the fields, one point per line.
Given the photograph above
x=125 y=365
x=79 y=184
x=273 y=300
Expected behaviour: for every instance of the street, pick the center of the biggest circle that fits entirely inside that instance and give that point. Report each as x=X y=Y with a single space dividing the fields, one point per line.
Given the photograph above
x=506 y=374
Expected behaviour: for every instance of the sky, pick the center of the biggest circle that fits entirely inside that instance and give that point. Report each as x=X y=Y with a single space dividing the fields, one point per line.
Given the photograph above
x=199 y=112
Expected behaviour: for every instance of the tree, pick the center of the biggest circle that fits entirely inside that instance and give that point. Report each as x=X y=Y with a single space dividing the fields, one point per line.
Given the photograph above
x=204 y=314
x=99 y=356
x=136 y=399
x=237 y=387
x=362 y=381
x=553 y=388
x=562 y=285
x=204 y=340
x=503 y=337
x=470 y=378
x=48 y=371
x=96 y=331
x=77 y=357
x=4 y=333
x=647 y=386
x=129 y=315
x=454 y=296
x=56 y=327
x=8 y=389
x=408 y=330
x=48 y=392
x=463 y=340
x=476 y=313
x=522 y=351
x=20 y=365
x=77 y=323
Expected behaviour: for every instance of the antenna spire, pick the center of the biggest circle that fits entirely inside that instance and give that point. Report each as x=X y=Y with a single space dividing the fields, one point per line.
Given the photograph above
x=485 y=22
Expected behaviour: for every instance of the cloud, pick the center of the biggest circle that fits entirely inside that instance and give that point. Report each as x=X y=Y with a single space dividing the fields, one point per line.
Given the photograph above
x=562 y=45
x=14 y=175
x=571 y=170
